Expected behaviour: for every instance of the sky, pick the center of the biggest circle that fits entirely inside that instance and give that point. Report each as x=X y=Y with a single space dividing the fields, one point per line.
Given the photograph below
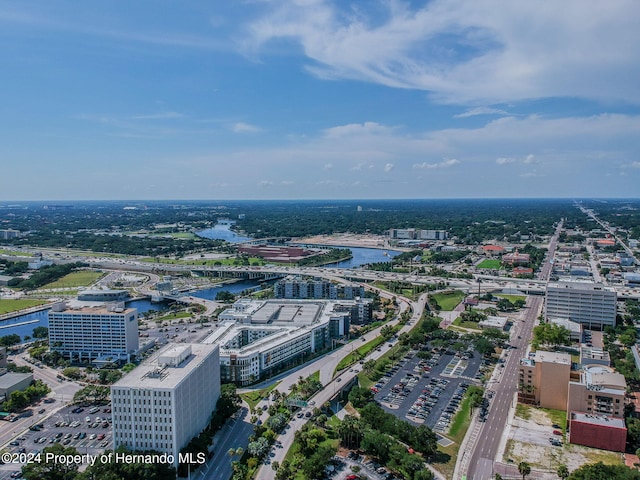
x=318 y=99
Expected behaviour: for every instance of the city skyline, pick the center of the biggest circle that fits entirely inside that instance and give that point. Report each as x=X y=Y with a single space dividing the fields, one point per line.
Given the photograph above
x=318 y=99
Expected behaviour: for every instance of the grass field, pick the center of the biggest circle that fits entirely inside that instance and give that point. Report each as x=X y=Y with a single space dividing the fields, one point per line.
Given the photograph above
x=489 y=263
x=471 y=325
x=82 y=278
x=14 y=253
x=174 y=316
x=11 y=305
x=359 y=353
x=512 y=298
x=448 y=300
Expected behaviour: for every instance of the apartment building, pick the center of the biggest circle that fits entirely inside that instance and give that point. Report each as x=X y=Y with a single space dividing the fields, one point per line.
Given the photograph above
x=257 y=338
x=590 y=304
x=101 y=333
x=599 y=390
x=165 y=402
x=544 y=379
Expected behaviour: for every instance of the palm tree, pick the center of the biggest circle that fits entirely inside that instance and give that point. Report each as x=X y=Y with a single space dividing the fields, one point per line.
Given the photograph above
x=563 y=472
x=524 y=468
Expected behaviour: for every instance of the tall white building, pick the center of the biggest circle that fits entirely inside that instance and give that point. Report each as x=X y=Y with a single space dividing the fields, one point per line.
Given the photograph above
x=590 y=304
x=94 y=333
x=168 y=400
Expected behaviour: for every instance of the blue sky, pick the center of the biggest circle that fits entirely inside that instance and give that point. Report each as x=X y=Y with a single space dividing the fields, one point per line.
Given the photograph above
x=289 y=99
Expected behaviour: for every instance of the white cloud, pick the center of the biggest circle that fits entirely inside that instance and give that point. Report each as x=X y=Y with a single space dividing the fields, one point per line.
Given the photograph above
x=481 y=111
x=443 y=164
x=510 y=50
x=530 y=159
x=388 y=167
x=328 y=166
x=504 y=160
x=353 y=129
x=635 y=164
x=241 y=127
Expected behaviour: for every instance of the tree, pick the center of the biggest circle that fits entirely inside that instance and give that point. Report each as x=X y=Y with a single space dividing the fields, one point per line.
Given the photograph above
x=49 y=468
x=40 y=332
x=600 y=471
x=563 y=472
x=524 y=468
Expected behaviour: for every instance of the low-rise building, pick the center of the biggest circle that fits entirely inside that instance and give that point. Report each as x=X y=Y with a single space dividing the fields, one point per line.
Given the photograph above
x=574 y=328
x=494 y=322
x=13 y=382
x=598 y=431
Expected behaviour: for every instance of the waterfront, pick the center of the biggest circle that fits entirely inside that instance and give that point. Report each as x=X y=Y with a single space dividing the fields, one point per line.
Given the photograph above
x=222 y=231
x=23 y=325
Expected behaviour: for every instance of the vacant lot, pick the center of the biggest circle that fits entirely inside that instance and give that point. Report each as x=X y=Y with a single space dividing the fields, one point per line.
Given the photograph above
x=11 y=305
x=529 y=441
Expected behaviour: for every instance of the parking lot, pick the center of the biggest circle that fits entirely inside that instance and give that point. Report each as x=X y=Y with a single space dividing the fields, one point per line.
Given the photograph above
x=87 y=429
x=428 y=391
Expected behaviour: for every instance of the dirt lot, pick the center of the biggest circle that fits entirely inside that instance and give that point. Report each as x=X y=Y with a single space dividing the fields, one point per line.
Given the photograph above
x=529 y=441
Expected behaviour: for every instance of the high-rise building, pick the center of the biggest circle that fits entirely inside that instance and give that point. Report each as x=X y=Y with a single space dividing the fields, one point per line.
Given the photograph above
x=165 y=402
x=544 y=379
x=94 y=333
x=590 y=304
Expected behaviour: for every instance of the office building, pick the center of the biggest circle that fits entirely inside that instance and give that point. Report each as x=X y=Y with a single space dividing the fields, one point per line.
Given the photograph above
x=100 y=334
x=165 y=402
x=590 y=304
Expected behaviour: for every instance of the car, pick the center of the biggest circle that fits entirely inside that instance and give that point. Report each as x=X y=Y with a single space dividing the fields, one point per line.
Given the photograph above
x=92 y=436
x=555 y=425
x=104 y=444
x=67 y=441
x=101 y=436
x=557 y=432
x=307 y=415
x=14 y=443
x=338 y=379
x=41 y=411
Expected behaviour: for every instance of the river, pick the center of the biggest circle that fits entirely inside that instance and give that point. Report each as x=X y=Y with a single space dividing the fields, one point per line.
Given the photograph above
x=24 y=324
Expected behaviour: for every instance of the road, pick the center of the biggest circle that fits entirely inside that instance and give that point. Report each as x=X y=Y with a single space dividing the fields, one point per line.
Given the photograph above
x=286 y=439
x=482 y=454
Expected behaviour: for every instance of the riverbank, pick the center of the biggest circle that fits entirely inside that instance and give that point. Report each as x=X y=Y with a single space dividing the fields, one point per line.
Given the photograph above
x=348 y=240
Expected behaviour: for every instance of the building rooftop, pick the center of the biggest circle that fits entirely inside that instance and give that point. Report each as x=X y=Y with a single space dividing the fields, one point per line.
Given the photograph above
x=93 y=308
x=573 y=327
x=10 y=379
x=580 y=285
x=598 y=419
x=170 y=366
x=600 y=377
x=552 y=357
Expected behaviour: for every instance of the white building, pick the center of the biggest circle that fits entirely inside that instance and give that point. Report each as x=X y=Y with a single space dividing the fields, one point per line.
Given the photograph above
x=574 y=328
x=165 y=402
x=89 y=333
x=590 y=304
x=259 y=337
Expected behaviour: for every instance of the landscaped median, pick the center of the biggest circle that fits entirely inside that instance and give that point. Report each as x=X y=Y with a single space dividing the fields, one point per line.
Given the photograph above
x=359 y=353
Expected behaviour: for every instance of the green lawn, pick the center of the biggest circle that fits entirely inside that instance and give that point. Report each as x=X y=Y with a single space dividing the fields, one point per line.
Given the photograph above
x=82 y=278
x=174 y=316
x=252 y=398
x=11 y=305
x=489 y=263
x=359 y=353
x=448 y=300
x=472 y=325
x=512 y=298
